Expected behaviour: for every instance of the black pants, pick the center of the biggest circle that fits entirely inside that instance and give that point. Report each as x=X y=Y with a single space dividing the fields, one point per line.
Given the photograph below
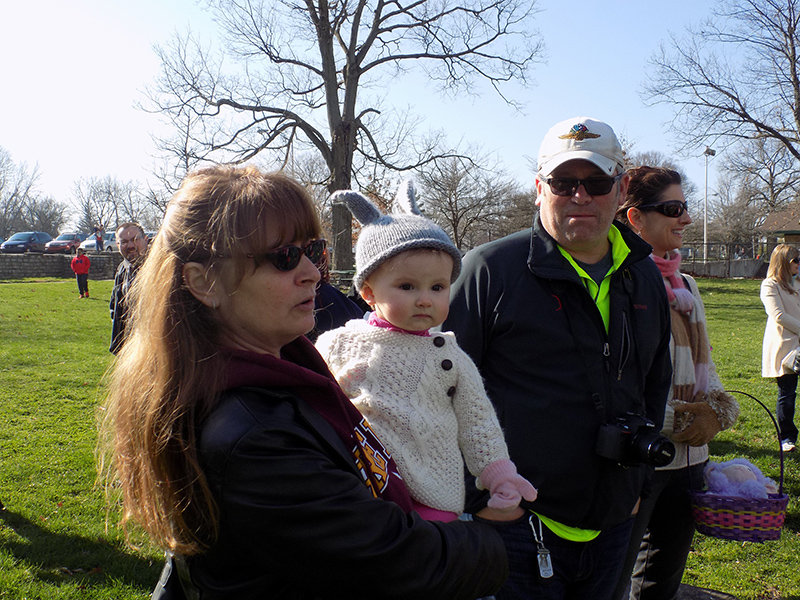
x=83 y=283
x=662 y=536
x=787 y=393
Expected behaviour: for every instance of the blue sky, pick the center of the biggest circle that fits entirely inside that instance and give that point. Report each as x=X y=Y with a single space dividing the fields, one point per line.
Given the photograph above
x=73 y=73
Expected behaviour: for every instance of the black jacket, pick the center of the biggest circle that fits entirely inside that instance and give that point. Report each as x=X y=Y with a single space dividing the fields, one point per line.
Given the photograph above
x=297 y=521
x=521 y=312
x=123 y=280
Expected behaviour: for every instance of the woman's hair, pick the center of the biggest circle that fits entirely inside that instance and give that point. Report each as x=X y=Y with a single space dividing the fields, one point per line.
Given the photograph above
x=645 y=187
x=169 y=374
x=779 y=265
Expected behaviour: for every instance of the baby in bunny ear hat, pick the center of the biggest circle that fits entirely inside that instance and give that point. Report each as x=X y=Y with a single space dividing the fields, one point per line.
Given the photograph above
x=418 y=390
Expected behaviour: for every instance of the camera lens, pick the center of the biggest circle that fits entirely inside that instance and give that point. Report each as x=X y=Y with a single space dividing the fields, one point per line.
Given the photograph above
x=654 y=449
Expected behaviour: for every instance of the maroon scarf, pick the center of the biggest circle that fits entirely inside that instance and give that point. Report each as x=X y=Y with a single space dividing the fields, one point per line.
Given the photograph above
x=303 y=372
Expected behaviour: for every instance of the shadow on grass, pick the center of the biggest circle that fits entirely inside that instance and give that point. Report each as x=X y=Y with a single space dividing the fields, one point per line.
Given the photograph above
x=59 y=557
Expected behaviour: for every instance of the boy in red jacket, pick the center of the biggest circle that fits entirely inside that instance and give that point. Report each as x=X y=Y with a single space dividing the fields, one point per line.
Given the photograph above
x=80 y=265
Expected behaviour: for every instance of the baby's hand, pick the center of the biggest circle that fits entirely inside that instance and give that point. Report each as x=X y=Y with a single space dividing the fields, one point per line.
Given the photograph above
x=506 y=486
x=506 y=495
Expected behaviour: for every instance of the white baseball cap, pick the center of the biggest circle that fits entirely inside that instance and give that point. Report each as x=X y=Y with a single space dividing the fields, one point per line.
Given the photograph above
x=580 y=138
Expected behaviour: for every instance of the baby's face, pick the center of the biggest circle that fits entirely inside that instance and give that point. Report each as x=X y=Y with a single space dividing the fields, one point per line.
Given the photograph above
x=411 y=290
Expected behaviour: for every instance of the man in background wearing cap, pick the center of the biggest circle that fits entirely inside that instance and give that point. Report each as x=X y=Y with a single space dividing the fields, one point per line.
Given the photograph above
x=568 y=323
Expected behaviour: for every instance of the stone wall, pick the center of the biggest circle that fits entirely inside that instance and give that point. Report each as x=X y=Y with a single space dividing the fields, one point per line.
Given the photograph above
x=744 y=268
x=20 y=266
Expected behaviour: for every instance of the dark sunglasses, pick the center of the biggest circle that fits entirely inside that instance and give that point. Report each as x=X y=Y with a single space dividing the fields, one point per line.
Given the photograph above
x=594 y=186
x=670 y=208
x=794 y=260
x=288 y=257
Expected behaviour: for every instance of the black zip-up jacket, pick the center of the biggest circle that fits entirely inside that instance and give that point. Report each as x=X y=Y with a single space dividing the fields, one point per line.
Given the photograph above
x=297 y=521
x=118 y=305
x=521 y=312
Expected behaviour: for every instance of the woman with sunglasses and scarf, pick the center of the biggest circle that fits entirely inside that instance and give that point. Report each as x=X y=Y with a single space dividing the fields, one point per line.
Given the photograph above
x=698 y=409
x=780 y=355
x=232 y=444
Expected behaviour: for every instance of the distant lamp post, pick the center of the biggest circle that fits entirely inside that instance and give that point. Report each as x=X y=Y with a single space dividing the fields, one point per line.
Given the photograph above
x=708 y=152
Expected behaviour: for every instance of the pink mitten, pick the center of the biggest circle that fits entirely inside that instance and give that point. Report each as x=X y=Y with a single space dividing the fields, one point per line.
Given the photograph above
x=506 y=486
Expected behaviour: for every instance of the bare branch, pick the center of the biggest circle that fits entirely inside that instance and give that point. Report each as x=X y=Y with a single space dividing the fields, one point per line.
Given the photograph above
x=735 y=78
x=289 y=75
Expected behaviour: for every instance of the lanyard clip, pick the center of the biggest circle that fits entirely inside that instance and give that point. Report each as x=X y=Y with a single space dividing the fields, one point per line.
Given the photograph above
x=542 y=553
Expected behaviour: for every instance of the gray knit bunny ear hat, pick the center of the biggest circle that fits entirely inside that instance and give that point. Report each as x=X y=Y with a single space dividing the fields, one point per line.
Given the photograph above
x=384 y=236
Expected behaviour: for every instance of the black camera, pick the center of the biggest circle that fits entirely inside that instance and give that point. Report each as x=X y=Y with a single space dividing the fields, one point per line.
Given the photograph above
x=631 y=440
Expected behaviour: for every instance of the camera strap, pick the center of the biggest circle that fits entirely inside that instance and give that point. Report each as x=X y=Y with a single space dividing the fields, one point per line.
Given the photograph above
x=600 y=401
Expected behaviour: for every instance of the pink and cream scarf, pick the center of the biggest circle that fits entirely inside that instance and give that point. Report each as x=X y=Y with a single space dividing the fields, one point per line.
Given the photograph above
x=692 y=351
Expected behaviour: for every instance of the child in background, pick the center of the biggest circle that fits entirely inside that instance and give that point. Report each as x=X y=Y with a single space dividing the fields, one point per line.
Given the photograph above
x=80 y=266
x=419 y=391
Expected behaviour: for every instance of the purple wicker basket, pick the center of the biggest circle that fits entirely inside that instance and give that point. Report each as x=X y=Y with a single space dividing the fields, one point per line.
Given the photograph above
x=742 y=519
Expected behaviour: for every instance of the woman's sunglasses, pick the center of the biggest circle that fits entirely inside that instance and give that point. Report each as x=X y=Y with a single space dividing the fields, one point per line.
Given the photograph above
x=288 y=257
x=671 y=208
x=594 y=186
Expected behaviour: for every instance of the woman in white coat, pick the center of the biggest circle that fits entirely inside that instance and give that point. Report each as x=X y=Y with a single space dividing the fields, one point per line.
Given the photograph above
x=780 y=294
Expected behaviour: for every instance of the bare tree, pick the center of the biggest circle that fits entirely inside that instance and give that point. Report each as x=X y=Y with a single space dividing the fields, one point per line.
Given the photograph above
x=17 y=187
x=767 y=170
x=517 y=212
x=305 y=70
x=735 y=77
x=310 y=170
x=106 y=202
x=45 y=214
x=733 y=216
x=654 y=158
x=21 y=205
x=464 y=198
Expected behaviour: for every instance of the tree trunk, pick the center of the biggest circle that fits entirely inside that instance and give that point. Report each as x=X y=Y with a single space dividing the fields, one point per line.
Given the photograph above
x=342 y=220
x=342 y=238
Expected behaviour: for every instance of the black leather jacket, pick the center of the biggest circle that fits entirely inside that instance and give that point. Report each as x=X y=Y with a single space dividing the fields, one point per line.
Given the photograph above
x=297 y=521
x=521 y=312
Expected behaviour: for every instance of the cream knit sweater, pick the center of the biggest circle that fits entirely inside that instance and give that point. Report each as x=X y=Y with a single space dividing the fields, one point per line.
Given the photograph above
x=424 y=398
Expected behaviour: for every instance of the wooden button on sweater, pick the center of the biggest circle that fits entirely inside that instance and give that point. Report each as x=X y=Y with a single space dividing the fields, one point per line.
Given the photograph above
x=447 y=364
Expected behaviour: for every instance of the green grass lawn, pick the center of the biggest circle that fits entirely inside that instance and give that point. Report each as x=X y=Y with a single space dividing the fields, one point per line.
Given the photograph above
x=770 y=570
x=57 y=542
x=54 y=542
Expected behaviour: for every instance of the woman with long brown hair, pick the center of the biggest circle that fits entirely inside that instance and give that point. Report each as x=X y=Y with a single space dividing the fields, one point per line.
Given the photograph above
x=780 y=294
x=233 y=445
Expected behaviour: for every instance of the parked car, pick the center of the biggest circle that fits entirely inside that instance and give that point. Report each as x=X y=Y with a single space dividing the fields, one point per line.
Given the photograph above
x=109 y=243
x=26 y=241
x=66 y=243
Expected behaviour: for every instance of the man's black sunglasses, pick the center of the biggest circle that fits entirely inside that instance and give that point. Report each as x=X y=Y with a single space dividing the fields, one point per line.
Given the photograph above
x=670 y=208
x=594 y=186
x=288 y=257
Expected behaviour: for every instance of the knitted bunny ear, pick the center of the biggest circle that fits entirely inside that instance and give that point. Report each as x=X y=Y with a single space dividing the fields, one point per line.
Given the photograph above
x=363 y=210
x=405 y=200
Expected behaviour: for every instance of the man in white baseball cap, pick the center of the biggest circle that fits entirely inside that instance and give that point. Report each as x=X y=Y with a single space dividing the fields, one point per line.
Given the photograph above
x=568 y=323
x=580 y=185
